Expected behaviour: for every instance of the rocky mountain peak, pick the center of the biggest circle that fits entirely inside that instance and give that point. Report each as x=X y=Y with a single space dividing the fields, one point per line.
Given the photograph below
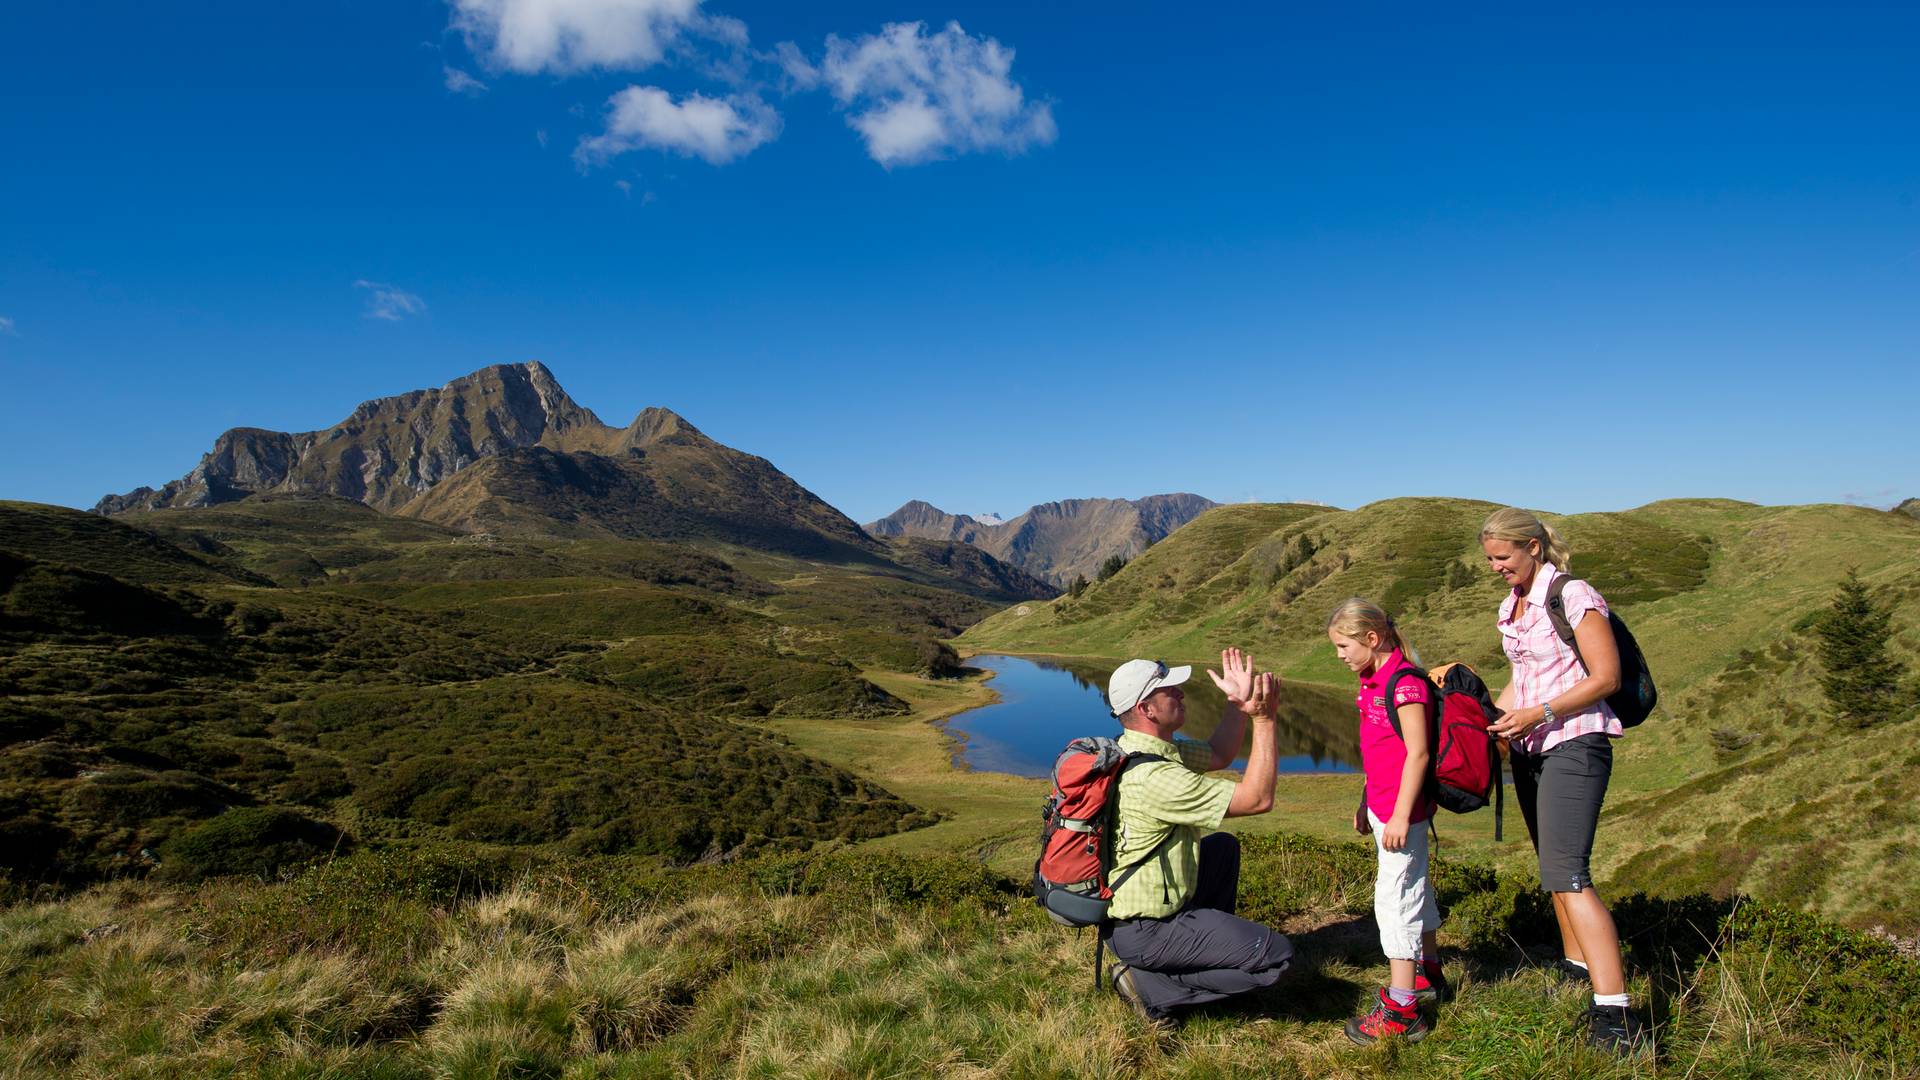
x=390 y=449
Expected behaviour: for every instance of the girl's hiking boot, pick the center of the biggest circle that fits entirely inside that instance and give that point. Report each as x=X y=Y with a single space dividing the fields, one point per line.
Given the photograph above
x=1572 y=972
x=1388 y=1021
x=1430 y=986
x=1615 y=1029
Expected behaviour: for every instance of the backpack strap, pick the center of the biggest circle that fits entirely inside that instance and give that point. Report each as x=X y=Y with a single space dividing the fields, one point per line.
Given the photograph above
x=1557 y=611
x=1433 y=700
x=1105 y=929
x=1121 y=876
x=1433 y=724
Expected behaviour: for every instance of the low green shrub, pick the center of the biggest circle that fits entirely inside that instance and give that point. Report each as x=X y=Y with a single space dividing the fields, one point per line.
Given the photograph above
x=1284 y=875
x=1838 y=984
x=259 y=841
x=375 y=902
x=943 y=880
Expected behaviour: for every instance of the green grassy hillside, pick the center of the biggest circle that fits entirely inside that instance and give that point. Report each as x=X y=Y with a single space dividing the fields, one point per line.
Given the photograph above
x=113 y=547
x=406 y=680
x=1740 y=781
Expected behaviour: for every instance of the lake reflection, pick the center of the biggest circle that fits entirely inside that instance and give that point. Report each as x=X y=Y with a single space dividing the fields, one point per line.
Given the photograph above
x=1045 y=703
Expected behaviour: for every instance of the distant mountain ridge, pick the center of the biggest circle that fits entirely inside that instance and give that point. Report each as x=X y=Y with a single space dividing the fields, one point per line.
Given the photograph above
x=1056 y=541
x=504 y=450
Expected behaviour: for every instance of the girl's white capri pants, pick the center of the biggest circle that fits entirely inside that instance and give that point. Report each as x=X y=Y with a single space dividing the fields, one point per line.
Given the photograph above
x=1403 y=901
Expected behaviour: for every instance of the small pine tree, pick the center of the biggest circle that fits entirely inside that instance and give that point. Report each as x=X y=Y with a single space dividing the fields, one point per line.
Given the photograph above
x=1111 y=566
x=1861 y=681
x=938 y=660
x=1079 y=586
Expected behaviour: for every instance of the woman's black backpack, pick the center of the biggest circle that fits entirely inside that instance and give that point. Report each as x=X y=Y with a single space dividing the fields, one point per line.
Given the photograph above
x=1636 y=696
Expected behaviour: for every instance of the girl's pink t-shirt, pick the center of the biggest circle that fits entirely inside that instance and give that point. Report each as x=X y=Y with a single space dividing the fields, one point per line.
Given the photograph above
x=1383 y=756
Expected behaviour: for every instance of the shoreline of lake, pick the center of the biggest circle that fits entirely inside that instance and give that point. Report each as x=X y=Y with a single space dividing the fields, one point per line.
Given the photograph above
x=1317 y=737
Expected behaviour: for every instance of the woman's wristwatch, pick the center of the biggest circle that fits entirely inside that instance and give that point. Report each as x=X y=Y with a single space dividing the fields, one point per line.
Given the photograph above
x=1546 y=714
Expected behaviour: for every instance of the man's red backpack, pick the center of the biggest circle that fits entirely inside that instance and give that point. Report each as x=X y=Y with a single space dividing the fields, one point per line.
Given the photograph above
x=1074 y=877
x=1464 y=770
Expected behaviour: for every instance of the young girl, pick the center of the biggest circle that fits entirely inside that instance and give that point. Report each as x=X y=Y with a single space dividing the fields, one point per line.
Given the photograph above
x=1555 y=713
x=1395 y=810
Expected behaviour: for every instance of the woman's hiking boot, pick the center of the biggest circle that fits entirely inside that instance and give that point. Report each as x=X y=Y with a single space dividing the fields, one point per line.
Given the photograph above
x=1387 y=1021
x=1124 y=988
x=1615 y=1029
x=1430 y=985
x=1572 y=973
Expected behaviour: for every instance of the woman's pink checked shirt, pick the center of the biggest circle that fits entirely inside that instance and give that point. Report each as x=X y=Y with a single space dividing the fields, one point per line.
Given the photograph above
x=1544 y=667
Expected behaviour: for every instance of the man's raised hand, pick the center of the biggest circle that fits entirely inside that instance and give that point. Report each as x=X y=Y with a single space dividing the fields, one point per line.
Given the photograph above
x=1237 y=683
x=1265 y=702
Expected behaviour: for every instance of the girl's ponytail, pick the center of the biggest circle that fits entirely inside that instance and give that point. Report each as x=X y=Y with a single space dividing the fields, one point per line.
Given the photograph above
x=1356 y=617
x=1516 y=526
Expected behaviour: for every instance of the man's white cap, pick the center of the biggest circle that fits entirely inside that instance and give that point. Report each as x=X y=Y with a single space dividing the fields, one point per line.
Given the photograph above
x=1135 y=679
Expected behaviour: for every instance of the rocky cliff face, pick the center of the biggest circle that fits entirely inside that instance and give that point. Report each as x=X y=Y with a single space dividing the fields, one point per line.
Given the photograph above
x=505 y=450
x=1055 y=541
x=391 y=449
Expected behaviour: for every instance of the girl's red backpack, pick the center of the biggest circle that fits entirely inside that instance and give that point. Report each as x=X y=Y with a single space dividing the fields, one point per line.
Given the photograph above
x=1464 y=774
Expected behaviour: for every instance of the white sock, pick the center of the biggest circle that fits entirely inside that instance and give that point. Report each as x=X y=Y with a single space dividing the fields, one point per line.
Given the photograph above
x=1615 y=1000
x=1581 y=964
x=1402 y=998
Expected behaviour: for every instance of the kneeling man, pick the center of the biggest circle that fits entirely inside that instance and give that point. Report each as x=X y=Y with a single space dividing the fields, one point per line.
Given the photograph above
x=1173 y=928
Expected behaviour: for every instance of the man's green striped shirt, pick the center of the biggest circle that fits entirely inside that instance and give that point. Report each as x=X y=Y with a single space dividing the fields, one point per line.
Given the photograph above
x=1156 y=797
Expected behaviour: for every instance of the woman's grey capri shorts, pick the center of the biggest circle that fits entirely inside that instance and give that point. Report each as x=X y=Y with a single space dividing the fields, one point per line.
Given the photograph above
x=1559 y=794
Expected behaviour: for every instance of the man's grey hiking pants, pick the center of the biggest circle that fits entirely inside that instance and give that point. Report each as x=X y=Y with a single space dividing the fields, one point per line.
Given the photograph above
x=1203 y=952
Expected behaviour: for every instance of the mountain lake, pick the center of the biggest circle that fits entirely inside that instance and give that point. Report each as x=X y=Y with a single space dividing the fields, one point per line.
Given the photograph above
x=1045 y=703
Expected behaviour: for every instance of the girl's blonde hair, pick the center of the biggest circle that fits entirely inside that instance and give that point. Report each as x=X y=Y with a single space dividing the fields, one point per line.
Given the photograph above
x=1516 y=526
x=1357 y=616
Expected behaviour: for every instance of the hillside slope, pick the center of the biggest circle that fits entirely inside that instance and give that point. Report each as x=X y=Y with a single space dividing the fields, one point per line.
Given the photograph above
x=1721 y=596
x=394 y=676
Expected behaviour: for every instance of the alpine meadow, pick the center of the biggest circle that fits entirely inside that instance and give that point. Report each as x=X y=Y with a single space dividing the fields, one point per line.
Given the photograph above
x=626 y=761
x=742 y=540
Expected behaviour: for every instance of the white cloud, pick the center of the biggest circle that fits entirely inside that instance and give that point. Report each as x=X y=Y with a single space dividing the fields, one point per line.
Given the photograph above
x=800 y=72
x=459 y=82
x=625 y=186
x=917 y=97
x=389 y=303
x=541 y=138
x=715 y=130
x=575 y=35
x=6 y=327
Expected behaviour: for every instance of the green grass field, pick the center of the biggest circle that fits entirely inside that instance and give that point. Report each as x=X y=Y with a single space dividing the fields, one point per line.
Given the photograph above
x=291 y=789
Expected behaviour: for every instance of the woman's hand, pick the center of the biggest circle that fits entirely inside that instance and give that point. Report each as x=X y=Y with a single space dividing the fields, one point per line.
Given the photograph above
x=1518 y=722
x=1393 y=835
x=1360 y=823
x=1237 y=683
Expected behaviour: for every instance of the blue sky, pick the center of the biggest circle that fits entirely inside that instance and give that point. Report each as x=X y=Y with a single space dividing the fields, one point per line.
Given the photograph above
x=1576 y=262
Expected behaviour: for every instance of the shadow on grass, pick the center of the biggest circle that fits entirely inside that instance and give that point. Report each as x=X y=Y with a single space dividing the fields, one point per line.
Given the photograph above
x=1309 y=992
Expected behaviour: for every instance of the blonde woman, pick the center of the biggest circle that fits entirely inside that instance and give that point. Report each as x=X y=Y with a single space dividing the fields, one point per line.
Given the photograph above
x=1561 y=733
